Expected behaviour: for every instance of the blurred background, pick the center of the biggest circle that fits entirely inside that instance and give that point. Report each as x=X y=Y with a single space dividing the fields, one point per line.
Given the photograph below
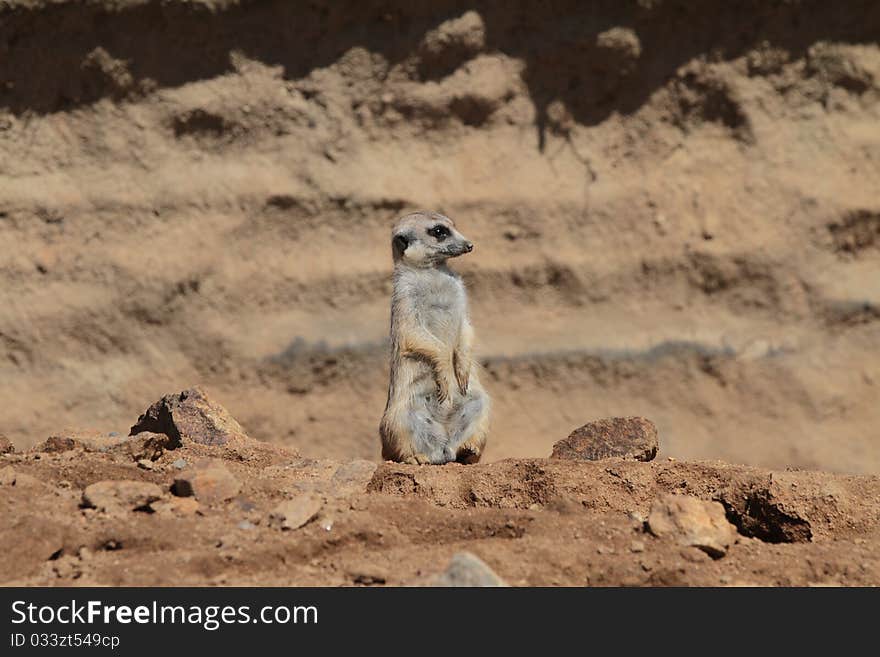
x=675 y=206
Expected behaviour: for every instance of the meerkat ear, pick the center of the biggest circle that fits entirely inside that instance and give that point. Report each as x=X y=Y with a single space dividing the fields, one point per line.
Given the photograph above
x=398 y=245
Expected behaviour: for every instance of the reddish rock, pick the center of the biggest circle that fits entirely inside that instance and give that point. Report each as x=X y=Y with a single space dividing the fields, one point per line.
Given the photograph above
x=208 y=481
x=120 y=495
x=54 y=444
x=294 y=513
x=190 y=416
x=617 y=437
x=91 y=441
x=145 y=445
x=691 y=522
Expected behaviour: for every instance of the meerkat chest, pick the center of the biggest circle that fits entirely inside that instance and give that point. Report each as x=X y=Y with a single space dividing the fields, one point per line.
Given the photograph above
x=438 y=300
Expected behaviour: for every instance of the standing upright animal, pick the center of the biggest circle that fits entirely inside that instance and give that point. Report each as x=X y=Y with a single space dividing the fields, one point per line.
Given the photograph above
x=437 y=411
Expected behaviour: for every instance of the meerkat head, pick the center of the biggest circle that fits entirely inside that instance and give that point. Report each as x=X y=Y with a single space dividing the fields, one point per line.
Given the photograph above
x=427 y=239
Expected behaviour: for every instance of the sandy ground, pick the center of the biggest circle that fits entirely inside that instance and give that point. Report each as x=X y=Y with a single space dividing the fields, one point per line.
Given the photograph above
x=675 y=209
x=544 y=522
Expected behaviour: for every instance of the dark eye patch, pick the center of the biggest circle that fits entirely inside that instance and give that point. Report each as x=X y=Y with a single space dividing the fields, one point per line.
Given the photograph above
x=440 y=232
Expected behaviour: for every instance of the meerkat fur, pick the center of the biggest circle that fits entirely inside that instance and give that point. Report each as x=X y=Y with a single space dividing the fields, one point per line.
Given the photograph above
x=437 y=410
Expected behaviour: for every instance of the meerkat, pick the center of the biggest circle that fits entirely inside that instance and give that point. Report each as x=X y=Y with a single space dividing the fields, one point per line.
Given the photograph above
x=437 y=411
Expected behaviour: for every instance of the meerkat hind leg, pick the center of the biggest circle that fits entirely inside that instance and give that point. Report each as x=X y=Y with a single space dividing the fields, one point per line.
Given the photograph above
x=468 y=428
x=429 y=437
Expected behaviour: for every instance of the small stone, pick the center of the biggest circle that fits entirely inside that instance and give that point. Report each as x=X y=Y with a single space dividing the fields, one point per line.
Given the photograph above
x=621 y=41
x=6 y=446
x=146 y=446
x=55 y=444
x=190 y=416
x=120 y=495
x=145 y=464
x=618 y=437
x=454 y=41
x=368 y=576
x=179 y=506
x=637 y=546
x=7 y=476
x=293 y=514
x=466 y=569
x=352 y=477
x=208 y=481
x=694 y=554
x=246 y=525
x=180 y=464
x=10 y=477
x=604 y=549
x=692 y=522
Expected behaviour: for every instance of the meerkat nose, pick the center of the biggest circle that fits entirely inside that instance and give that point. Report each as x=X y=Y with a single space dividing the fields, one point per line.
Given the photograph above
x=468 y=246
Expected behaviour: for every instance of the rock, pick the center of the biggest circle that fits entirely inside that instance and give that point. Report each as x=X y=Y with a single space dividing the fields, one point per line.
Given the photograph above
x=451 y=44
x=180 y=506
x=190 y=416
x=620 y=44
x=7 y=476
x=180 y=464
x=208 y=481
x=368 y=575
x=293 y=514
x=352 y=477
x=466 y=569
x=692 y=522
x=6 y=446
x=626 y=437
x=146 y=446
x=55 y=444
x=11 y=477
x=120 y=495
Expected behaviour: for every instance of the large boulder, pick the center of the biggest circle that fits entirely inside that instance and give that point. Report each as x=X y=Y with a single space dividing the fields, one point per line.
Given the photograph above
x=616 y=437
x=190 y=416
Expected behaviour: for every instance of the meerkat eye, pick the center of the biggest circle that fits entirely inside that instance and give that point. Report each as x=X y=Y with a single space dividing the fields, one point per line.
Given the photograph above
x=440 y=232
